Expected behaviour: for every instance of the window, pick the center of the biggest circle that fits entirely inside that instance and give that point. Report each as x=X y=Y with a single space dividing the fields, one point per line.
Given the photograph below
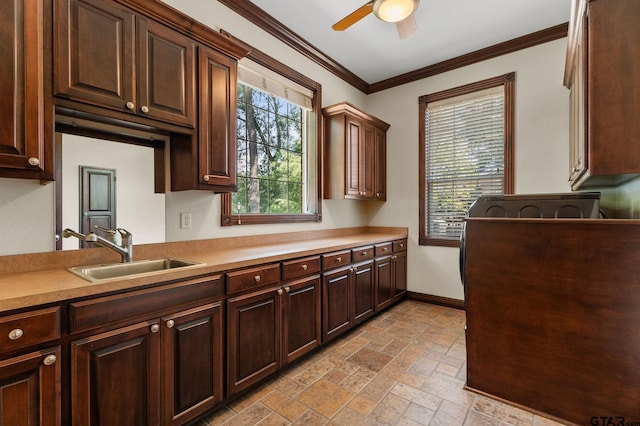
x=276 y=144
x=466 y=137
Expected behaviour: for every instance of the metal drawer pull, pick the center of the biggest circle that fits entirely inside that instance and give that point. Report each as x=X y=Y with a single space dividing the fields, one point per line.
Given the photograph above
x=155 y=328
x=287 y=289
x=170 y=324
x=15 y=334
x=304 y=267
x=257 y=278
x=364 y=253
x=280 y=291
x=50 y=359
x=338 y=259
x=385 y=248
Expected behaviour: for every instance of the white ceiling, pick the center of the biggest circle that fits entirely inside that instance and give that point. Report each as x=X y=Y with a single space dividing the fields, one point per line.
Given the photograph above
x=372 y=50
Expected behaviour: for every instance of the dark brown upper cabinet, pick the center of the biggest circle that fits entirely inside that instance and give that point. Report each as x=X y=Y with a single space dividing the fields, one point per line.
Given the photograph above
x=26 y=115
x=355 y=154
x=602 y=61
x=111 y=57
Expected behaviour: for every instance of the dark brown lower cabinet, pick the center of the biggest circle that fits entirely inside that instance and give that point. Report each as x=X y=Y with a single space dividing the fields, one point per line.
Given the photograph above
x=30 y=389
x=163 y=371
x=269 y=328
x=391 y=279
x=363 y=292
x=192 y=362
x=115 y=377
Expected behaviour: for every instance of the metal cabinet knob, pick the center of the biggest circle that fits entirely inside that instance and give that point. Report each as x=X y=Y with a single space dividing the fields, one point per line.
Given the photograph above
x=15 y=334
x=130 y=105
x=144 y=109
x=50 y=359
x=34 y=161
x=377 y=194
x=155 y=328
x=364 y=253
x=257 y=278
x=304 y=267
x=287 y=289
x=280 y=291
x=170 y=324
x=338 y=259
x=205 y=178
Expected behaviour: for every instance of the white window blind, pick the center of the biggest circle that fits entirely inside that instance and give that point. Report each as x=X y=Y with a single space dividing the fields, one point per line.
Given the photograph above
x=464 y=157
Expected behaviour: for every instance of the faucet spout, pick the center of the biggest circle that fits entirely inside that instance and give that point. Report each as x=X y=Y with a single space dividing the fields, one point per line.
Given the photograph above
x=125 y=250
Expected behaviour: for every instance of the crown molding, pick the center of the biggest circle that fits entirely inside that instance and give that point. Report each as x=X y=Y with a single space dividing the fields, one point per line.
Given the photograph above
x=268 y=23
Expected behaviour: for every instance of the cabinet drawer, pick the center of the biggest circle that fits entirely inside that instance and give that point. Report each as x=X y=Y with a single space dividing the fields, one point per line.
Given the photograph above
x=336 y=258
x=399 y=245
x=300 y=267
x=383 y=249
x=29 y=328
x=253 y=278
x=99 y=312
x=362 y=253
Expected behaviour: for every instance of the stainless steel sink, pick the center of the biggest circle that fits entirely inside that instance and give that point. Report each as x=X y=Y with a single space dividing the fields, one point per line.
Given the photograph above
x=95 y=273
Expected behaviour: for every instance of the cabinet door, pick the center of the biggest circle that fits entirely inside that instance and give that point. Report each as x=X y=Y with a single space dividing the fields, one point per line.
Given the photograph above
x=253 y=338
x=399 y=274
x=30 y=389
x=94 y=53
x=217 y=124
x=384 y=282
x=337 y=309
x=26 y=115
x=363 y=292
x=166 y=74
x=301 y=319
x=352 y=160
x=380 y=167
x=192 y=362
x=115 y=377
x=578 y=155
x=368 y=170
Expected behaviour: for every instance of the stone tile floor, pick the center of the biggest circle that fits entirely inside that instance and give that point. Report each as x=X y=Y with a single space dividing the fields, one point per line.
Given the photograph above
x=406 y=366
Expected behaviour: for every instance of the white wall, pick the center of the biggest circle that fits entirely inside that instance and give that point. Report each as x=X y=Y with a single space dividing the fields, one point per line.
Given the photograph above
x=138 y=209
x=541 y=152
x=541 y=149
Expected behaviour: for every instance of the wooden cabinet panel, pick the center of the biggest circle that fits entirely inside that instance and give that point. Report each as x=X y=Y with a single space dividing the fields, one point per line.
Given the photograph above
x=108 y=56
x=192 y=362
x=337 y=311
x=29 y=328
x=301 y=326
x=399 y=275
x=363 y=292
x=166 y=73
x=384 y=282
x=115 y=377
x=300 y=267
x=217 y=124
x=380 y=165
x=253 y=338
x=30 y=389
x=26 y=113
x=95 y=47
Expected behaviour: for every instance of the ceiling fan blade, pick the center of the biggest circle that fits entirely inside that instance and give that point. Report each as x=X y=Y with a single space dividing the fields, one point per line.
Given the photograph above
x=353 y=17
x=407 y=27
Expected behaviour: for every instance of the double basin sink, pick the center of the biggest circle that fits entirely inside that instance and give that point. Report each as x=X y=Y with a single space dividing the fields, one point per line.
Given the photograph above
x=95 y=273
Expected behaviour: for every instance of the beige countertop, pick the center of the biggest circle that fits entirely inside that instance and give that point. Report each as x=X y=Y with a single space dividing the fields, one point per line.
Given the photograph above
x=36 y=279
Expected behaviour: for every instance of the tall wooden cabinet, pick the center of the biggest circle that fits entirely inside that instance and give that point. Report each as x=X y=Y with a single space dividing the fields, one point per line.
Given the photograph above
x=602 y=60
x=354 y=153
x=26 y=114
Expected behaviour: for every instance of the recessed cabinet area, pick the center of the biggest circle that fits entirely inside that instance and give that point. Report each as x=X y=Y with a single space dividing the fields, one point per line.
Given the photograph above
x=178 y=349
x=355 y=153
x=602 y=60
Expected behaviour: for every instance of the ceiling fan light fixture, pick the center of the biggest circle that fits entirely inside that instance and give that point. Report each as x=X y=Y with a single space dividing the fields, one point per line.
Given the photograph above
x=394 y=10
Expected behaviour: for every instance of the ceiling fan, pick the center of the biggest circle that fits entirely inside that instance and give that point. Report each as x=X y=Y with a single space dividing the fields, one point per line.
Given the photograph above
x=398 y=11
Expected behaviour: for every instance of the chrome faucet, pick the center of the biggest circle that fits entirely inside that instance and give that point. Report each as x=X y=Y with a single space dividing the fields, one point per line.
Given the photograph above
x=124 y=249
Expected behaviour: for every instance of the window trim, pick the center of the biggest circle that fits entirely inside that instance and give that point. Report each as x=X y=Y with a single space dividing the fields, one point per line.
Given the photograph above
x=227 y=217
x=508 y=82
